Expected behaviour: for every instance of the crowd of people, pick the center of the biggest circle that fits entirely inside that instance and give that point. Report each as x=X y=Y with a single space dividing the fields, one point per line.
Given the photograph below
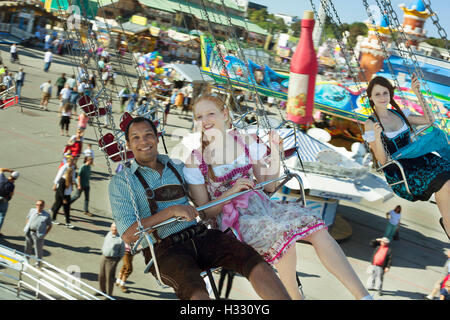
x=267 y=232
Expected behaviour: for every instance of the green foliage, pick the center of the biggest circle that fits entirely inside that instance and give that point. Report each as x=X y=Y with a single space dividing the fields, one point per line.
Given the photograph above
x=440 y=43
x=267 y=21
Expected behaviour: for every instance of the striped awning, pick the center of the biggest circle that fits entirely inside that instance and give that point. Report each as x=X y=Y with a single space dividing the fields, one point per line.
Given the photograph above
x=307 y=146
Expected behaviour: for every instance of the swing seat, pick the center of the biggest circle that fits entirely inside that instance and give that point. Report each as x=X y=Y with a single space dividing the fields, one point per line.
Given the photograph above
x=89 y=107
x=113 y=149
x=402 y=172
x=432 y=141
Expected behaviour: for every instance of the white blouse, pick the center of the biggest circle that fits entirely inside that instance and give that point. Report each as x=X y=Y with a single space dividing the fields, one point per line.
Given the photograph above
x=195 y=176
x=369 y=135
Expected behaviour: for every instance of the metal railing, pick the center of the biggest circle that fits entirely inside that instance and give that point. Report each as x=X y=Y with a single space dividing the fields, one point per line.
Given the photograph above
x=45 y=281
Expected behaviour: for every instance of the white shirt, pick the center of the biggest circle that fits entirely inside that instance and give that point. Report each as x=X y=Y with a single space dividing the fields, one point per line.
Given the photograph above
x=48 y=56
x=89 y=153
x=65 y=93
x=394 y=217
x=195 y=176
x=13 y=49
x=46 y=87
x=61 y=172
x=81 y=87
x=369 y=136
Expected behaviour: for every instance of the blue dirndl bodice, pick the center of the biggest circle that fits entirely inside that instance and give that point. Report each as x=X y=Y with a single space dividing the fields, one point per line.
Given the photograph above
x=425 y=174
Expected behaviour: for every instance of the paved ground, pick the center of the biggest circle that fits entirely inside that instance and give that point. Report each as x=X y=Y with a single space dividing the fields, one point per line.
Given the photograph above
x=30 y=143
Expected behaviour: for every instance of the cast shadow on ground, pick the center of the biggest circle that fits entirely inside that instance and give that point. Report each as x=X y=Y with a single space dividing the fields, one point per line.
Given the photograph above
x=149 y=293
x=411 y=251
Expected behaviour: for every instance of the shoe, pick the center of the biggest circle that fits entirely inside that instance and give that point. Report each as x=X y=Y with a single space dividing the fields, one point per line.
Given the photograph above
x=124 y=289
x=68 y=225
x=88 y=214
x=428 y=297
x=55 y=222
x=380 y=293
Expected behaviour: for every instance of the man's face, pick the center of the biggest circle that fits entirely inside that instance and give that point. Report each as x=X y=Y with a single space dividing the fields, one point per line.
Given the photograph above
x=142 y=141
x=39 y=206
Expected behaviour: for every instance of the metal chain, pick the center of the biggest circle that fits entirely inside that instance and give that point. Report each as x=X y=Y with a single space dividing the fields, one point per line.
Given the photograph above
x=386 y=53
x=392 y=15
x=435 y=19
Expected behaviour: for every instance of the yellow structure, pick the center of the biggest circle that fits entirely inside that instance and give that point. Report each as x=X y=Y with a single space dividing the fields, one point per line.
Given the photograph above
x=414 y=19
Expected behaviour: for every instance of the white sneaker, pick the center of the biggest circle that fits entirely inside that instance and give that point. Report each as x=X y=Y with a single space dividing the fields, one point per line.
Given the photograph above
x=68 y=225
x=55 y=222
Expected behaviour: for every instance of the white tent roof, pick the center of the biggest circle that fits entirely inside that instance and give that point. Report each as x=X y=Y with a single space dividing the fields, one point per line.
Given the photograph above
x=190 y=73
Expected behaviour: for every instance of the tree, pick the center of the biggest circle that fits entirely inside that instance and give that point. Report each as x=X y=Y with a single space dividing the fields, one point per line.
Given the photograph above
x=267 y=21
x=296 y=28
x=436 y=42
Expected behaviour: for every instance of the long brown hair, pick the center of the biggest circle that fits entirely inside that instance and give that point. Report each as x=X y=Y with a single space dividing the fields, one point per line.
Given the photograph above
x=220 y=104
x=68 y=176
x=387 y=84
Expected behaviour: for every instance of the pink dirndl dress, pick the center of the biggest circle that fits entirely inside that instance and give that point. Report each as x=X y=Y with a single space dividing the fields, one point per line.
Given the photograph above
x=270 y=227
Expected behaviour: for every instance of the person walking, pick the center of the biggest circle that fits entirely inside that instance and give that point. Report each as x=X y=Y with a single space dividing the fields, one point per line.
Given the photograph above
x=113 y=250
x=64 y=95
x=48 y=57
x=6 y=192
x=13 y=52
x=60 y=82
x=84 y=175
x=46 y=89
x=66 y=113
x=62 y=197
x=8 y=80
x=381 y=263
x=124 y=95
x=37 y=225
x=83 y=120
x=88 y=152
x=393 y=224
x=19 y=77
x=126 y=270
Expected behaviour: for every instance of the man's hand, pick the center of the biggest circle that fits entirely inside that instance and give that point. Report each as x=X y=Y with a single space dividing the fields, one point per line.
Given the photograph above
x=184 y=211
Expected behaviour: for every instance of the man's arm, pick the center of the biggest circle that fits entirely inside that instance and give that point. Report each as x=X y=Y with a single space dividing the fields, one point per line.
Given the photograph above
x=48 y=230
x=124 y=215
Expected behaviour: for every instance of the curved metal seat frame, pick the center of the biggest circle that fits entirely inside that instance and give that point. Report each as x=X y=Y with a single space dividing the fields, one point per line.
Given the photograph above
x=395 y=162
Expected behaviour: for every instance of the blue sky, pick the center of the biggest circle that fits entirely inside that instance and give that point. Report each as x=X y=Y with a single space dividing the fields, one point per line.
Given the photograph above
x=353 y=10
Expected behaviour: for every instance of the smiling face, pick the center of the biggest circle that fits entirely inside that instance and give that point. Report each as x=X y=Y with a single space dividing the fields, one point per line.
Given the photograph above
x=209 y=117
x=143 y=142
x=380 y=96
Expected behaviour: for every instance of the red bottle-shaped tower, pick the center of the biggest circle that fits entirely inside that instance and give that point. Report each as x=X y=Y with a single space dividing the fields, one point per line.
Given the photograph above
x=302 y=79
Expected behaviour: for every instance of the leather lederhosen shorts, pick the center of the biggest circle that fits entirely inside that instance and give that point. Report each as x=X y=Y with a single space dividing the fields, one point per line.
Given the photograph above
x=181 y=258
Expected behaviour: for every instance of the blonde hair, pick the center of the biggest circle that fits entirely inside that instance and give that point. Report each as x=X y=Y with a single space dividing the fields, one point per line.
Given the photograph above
x=221 y=106
x=68 y=176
